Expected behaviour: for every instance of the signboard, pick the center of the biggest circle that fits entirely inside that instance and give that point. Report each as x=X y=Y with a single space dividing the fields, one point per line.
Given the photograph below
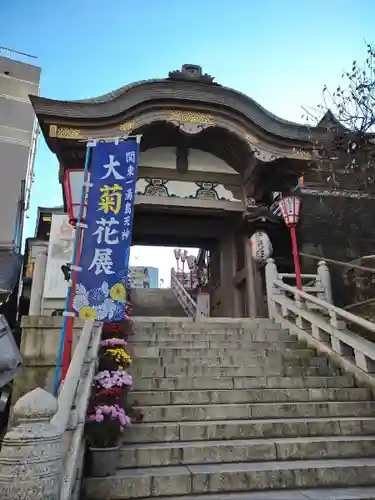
x=100 y=292
x=144 y=277
x=60 y=252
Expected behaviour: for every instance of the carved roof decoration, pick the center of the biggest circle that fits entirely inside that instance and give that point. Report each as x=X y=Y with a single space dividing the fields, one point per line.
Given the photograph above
x=187 y=87
x=191 y=72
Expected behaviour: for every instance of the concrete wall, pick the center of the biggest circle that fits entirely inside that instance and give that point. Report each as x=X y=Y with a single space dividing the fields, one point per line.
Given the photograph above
x=17 y=145
x=13 y=163
x=39 y=350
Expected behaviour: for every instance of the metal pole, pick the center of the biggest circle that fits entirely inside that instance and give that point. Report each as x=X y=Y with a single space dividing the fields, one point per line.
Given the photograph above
x=67 y=352
x=66 y=336
x=295 y=257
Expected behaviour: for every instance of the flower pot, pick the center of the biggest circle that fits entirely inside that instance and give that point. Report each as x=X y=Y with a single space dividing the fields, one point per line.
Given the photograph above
x=118 y=397
x=103 y=461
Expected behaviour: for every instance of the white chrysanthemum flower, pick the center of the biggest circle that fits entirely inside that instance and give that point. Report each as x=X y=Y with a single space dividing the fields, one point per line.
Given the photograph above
x=80 y=300
x=105 y=310
x=80 y=289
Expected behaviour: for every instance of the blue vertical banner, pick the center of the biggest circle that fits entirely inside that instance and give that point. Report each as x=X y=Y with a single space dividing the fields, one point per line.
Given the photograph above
x=100 y=292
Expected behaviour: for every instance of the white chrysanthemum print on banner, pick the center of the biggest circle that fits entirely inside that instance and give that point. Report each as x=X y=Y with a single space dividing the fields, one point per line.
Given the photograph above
x=104 y=262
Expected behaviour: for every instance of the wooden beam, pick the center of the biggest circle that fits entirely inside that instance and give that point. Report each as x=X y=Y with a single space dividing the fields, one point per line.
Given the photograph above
x=164 y=224
x=216 y=207
x=171 y=241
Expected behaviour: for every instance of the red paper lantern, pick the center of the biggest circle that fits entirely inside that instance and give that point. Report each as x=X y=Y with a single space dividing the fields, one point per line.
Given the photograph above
x=290 y=208
x=73 y=181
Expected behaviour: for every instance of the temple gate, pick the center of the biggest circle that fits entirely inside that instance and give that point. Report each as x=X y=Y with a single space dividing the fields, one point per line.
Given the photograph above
x=211 y=163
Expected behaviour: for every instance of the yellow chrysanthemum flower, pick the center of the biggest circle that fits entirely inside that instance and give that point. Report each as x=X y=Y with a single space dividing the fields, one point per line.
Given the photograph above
x=120 y=355
x=118 y=292
x=87 y=313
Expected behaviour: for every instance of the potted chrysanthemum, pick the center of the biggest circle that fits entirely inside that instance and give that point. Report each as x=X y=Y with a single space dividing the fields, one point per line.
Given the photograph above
x=109 y=412
x=112 y=386
x=104 y=426
x=113 y=358
x=113 y=341
x=122 y=329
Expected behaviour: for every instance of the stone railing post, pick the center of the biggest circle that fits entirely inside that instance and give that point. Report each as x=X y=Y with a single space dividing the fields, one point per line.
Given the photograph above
x=203 y=305
x=325 y=279
x=271 y=277
x=31 y=454
x=36 y=297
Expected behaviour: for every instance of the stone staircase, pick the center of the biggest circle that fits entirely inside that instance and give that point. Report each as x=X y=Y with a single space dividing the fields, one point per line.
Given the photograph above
x=240 y=410
x=155 y=302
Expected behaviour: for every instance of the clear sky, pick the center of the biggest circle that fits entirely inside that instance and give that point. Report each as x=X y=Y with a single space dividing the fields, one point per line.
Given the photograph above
x=279 y=52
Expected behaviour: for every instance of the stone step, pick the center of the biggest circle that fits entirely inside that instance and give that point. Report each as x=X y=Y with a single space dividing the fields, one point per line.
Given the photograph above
x=187 y=325
x=203 y=452
x=156 y=302
x=242 y=353
x=285 y=370
x=216 y=336
x=246 y=396
x=140 y=345
x=213 y=323
x=361 y=493
x=249 y=429
x=276 y=362
x=202 y=383
x=232 y=477
x=209 y=327
x=186 y=412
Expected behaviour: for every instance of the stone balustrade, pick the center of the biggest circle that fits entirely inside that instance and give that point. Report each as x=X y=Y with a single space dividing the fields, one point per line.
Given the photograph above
x=198 y=309
x=320 y=323
x=41 y=456
x=318 y=284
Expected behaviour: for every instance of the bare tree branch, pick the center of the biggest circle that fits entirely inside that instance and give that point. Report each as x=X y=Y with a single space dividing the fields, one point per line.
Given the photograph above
x=346 y=117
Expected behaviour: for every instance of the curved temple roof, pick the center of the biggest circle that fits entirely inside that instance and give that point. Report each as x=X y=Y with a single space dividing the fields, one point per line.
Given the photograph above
x=185 y=86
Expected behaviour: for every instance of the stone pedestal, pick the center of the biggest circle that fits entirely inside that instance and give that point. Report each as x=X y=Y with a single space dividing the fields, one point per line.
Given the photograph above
x=203 y=305
x=31 y=455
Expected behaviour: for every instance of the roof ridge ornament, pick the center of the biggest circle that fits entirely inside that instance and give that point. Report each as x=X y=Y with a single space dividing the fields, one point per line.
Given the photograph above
x=191 y=72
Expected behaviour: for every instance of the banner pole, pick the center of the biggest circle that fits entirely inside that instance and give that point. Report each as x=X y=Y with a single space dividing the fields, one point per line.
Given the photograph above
x=67 y=347
x=127 y=255
x=66 y=333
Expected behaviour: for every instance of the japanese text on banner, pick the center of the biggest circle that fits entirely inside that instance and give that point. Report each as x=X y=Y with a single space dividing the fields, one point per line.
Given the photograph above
x=100 y=292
